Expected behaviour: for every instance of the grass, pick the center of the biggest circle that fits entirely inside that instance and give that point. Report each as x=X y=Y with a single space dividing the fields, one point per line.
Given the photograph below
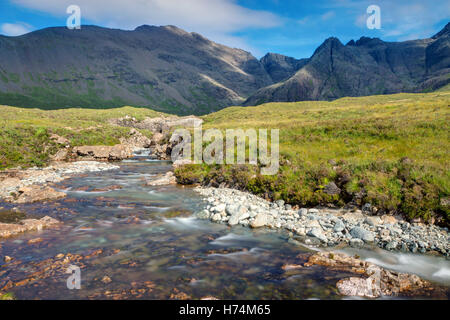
x=391 y=151
x=25 y=133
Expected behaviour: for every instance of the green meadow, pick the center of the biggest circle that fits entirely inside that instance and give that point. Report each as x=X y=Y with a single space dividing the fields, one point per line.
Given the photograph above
x=391 y=151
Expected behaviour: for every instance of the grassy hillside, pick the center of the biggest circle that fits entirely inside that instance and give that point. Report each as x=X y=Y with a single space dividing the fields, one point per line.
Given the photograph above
x=25 y=133
x=391 y=151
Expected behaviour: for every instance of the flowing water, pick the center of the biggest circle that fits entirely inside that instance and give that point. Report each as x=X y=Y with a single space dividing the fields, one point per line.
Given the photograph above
x=153 y=248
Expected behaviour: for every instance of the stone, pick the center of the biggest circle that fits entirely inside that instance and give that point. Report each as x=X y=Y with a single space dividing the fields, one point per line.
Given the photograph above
x=367 y=208
x=105 y=153
x=11 y=229
x=356 y=243
x=204 y=214
x=317 y=233
x=36 y=193
x=260 y=220
x=280 y=203
x=373 y=221
x=7 y=259
x=363 y=234
x=302 y=212
x=389 y=219
x=106 y=280
x=217 y=217
x=167 y=179
x=376 y=282
x=392 y=245
x=60 y=155
x=339 y=226
x=180 y=162
x=331 y=189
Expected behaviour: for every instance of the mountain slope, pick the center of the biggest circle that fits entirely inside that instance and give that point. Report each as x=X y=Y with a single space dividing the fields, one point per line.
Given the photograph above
x=280 y=67
x=164 y=68
x=365 y=67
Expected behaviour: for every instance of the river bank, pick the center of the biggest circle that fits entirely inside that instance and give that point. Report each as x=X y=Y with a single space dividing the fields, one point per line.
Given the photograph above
x=323 y=227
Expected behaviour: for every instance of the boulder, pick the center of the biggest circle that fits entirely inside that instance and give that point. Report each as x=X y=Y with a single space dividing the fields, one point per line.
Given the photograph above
x=363 y=234
x=260 y=220
x=105 y=153
x=331 y=189
x=167 y=179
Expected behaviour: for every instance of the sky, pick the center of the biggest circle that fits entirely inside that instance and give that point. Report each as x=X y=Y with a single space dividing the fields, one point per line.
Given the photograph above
x=290 y=27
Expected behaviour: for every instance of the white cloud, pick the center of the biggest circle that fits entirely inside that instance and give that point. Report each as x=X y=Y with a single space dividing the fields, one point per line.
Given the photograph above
x=211 y=18
x=401 y=19
x=15 y=29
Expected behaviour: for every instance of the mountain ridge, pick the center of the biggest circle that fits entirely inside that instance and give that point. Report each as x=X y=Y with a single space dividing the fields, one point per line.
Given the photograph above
x=364 y=67
x=171 y=70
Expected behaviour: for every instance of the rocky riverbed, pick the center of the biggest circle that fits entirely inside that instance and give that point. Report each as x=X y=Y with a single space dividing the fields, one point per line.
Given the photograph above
x=32 y=185
x=323 y=226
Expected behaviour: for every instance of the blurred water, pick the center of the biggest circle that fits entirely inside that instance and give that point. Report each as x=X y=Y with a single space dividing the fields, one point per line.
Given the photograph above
x=148 y=235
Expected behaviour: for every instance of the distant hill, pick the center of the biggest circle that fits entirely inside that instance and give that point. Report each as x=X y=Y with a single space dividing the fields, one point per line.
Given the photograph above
x=366 y=67
x=171 y=70
x=164 y=68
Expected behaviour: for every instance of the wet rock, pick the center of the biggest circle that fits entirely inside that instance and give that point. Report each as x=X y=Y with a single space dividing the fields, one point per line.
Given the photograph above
x=167 y=179
x=7 y=259
x=356 y=287
x=106 y=280
x=9 y=229
x=35 y=193
x=108 y=188
x=374 y=281
x=356 y=243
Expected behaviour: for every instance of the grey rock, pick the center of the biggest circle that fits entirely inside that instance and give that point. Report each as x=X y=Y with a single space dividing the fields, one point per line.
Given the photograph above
x=363 y=234
x=339 y=226
x=331 y=189
x=356 y=243
x=317 y=233
x=260 y=220
x=391 y=245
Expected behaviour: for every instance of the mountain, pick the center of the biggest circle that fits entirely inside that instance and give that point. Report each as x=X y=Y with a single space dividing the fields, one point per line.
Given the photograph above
x=366 y=67
x=171 y=70
x=164 y=68
x=281 y=67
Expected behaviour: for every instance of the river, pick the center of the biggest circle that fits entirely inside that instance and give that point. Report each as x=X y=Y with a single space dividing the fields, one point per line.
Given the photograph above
x=153 y=248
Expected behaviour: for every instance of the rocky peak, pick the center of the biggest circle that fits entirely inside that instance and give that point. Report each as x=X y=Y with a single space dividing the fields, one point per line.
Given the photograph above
x=443 y=32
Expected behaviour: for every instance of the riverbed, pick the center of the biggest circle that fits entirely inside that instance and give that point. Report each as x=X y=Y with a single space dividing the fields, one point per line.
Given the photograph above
x=143 y=242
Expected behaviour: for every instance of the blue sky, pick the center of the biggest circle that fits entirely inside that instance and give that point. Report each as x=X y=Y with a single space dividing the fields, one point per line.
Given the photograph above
x=291 y=27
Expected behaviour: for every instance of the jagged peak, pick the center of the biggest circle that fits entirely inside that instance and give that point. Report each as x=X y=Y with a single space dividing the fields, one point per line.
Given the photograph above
x=363 y=41
x=331 y=42
x=443 y=32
